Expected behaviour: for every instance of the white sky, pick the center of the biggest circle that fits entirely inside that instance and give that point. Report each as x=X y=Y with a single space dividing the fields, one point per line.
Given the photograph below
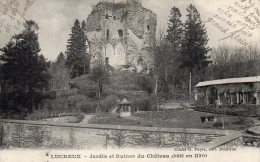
x=56 y=17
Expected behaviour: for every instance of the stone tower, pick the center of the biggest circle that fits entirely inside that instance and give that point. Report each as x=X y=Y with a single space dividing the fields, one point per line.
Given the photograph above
x=123 y=33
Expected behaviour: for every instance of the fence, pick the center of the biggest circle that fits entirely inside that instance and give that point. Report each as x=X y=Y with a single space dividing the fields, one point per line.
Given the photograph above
x=251 y=141
x=241 y=110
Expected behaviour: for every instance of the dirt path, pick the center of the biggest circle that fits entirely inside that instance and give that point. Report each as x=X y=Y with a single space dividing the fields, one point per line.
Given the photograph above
x=174 y=105
x=87 y=117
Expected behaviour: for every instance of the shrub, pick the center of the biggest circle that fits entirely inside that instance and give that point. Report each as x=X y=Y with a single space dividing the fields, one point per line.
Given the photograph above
x=200 y=101
x=90 y=94
x=77 y=119
x=77 y=98
x=142 y=104
x=241 y=119
x=88 y=107
x=99 y=105
x=145 y=83
x=148 y=125
x=218 y=124
x=109 y=102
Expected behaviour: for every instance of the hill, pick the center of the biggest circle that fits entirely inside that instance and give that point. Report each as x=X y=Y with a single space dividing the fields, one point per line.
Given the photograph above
x=136 y=88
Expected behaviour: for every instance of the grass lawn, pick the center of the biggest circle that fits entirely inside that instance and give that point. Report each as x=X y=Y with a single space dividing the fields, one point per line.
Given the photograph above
x=112 y=120
x=174 y=119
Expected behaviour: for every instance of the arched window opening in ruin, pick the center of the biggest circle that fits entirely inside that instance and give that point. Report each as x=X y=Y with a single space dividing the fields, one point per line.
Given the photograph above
x=107 y=34
x=120 y=33
x=148 y=27
x=106 y=16
x=114 y=17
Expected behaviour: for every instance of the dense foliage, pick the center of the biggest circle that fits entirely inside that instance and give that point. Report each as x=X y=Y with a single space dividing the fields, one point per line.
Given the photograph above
x=24 y=70
x=77 y=56
x=194 y=45
x=59 y=73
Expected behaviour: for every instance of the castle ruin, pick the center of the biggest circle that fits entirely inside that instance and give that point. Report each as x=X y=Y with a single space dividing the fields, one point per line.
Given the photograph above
x=123 y=33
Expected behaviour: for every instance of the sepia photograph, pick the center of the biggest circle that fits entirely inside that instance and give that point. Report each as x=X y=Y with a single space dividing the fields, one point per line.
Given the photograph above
x=129 y=80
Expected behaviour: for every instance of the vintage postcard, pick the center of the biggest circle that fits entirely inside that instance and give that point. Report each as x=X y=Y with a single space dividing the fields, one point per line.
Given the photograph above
x=129 y=80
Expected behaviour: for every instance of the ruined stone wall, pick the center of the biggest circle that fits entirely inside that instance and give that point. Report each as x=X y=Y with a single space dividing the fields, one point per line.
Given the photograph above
x=126 y=32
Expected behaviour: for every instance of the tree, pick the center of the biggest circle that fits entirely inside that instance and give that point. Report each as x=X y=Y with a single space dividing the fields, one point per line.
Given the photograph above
x=77 y=57
x=99 y=74
x=60 y=74
x=84 y=28
x=221 y=57
x=1 y=80
x=229 y=62
x=159 y=58
x=162 y=54
x=175 y=28
x=61 y=59
x=174 y=36
x=194 y=45
x=86 y=59
x=24 y=69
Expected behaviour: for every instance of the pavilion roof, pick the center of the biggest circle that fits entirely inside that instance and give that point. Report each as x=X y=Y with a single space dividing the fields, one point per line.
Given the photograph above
x=229 y=81
x=124 y=101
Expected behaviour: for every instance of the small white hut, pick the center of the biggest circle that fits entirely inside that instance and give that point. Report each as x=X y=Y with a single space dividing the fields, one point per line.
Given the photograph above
x=125 y=108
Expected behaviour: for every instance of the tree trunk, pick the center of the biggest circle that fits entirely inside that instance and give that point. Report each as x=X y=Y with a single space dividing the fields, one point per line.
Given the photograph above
x=77 y=74
x=99 y=88
x=166 y=73
x=173 y=82
x=31 y=96
x=190 y=85
x=156 y=84
x=223 y=122
x=153 y=118
x=1 y=135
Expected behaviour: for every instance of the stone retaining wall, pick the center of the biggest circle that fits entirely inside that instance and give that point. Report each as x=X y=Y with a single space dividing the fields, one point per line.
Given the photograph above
x=38 y=134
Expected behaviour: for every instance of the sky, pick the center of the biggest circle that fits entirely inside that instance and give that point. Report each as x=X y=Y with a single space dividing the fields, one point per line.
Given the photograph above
x=56 y=17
